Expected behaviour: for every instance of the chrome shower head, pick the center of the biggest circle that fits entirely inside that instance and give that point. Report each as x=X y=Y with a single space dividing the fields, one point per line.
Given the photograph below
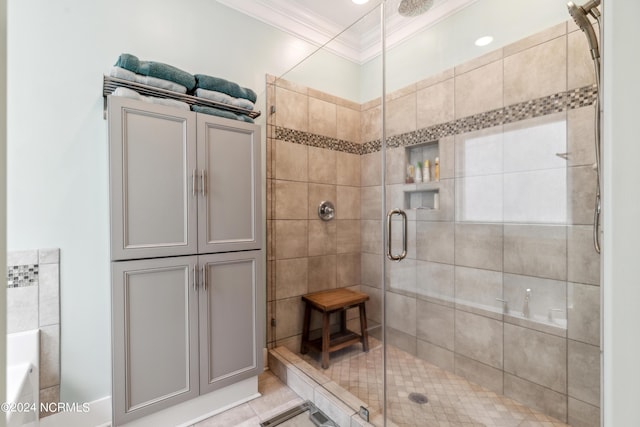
x=579 y=15
x=414 y=7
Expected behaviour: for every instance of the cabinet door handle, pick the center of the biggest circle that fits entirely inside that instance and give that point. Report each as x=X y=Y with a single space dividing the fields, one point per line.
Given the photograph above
x=204 y=278
x=202 y=181
x=404 y=235
x=195 y=279
x=193 y=183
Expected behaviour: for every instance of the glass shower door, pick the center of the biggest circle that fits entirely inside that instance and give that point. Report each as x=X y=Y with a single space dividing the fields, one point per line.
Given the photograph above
x=493 y=315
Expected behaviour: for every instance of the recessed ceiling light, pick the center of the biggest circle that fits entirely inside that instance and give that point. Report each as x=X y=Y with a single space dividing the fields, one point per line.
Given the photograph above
x=483 y=41
x=359 y=1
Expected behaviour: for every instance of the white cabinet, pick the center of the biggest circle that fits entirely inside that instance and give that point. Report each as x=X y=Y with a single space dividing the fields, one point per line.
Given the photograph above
x=182 y=327
x=154 y=333
x=186 y=251
x=181 y=182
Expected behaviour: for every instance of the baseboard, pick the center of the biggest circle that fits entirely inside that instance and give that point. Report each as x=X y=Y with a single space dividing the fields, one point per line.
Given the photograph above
x=98 y=414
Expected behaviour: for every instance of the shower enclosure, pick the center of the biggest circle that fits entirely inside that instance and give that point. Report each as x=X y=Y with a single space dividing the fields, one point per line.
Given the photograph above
x=492 y=314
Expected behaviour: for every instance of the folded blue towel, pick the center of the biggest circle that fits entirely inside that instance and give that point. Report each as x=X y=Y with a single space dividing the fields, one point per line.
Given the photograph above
x=157 y=70
x=221 y=113
x=225 y=86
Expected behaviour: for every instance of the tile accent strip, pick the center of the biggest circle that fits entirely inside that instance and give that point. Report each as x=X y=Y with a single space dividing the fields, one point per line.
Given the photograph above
x=19 y=276
x=551 y=104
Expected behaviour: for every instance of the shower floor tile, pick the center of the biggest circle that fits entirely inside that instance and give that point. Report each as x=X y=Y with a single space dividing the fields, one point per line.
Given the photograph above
x=452 y=400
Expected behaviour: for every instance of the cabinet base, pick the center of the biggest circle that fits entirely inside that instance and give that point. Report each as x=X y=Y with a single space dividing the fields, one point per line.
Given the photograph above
x=202 y=407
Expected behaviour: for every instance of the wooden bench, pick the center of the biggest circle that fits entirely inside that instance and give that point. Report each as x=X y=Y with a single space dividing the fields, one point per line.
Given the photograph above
x=328 y=302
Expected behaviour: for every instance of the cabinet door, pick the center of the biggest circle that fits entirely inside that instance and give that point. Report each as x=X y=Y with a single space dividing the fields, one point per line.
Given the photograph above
x=231 y=318
x=152 y=171
x=155 y=335
x=229 y=163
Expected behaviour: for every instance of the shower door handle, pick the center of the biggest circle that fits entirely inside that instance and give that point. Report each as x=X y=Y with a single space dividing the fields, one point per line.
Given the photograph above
x=390 y=215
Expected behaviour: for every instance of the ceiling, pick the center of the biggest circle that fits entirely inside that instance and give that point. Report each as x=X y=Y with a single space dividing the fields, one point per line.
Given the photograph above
x=349 y=30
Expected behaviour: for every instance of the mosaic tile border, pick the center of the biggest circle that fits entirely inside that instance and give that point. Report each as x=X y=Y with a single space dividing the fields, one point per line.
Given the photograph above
x=551 y=104
x=20 y=276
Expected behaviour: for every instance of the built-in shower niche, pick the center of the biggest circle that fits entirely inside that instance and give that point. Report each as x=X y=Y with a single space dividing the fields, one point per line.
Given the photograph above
x=422 y=193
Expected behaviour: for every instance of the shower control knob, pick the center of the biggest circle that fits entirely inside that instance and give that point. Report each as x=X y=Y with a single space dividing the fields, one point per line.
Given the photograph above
x=326 y=211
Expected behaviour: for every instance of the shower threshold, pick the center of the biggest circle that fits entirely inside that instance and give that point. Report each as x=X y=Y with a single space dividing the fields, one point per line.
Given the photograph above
x=304 y=415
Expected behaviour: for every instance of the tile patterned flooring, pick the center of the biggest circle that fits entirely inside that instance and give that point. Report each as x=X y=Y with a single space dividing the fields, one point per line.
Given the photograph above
x=452 y=400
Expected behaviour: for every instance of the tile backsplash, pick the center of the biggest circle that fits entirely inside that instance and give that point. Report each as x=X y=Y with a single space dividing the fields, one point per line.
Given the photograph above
x=33 y=302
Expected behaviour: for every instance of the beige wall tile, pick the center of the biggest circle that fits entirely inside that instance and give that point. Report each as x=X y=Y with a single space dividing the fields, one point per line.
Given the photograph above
x=322 y=237
x=291 y=277
x=401 y=313
x=348 y=269
x=289 y=315
x=49 y=356
x=290 y=199
x=535 y=72
x=322 y=273
x=348 y=124
x=583 y=262
x=348 y=236
x=292 y=110
x=347 y=202
x=581 y=70
x=435 y=282
x=582 y=414
x=370 y=169
x=479 y=373
x=479 y=245
x=479 y=90
x=348 y=169
x=479 y=338
x=536 y=356
x=435 y=324
x=433 y=354
x=402 y=340
x=371 y=269
x=371 y=122
x=581 y=136
x=290 y=238
x=536 y=250
x=322 y=118
x=371 y=236
x=401 y=115
x=584 y=372
x=290 y=161
x=370 y=202
x=584 y=313
x=396 y=165
x=322 y=165
x=435 y=104
x=536 y=397
x=434 y=241
x=581 y=190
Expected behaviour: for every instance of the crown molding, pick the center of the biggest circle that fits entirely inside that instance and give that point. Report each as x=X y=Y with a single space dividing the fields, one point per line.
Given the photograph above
x=354 y=45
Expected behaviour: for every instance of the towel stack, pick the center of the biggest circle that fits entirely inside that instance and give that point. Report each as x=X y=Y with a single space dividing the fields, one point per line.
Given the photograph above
x=225 y=92
x=156 y=74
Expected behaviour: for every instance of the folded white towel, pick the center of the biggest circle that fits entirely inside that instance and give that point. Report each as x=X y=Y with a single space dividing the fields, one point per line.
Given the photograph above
x=124 y=74
x=128 y=93
x=223 y=98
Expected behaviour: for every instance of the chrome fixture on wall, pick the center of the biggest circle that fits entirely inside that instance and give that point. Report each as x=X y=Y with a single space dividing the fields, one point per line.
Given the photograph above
x=326 y=211
x=580 y=15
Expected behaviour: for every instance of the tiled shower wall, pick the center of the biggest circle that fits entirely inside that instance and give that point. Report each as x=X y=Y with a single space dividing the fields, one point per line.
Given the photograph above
x=306 y=254
x=33 y=302
x=489 y=241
